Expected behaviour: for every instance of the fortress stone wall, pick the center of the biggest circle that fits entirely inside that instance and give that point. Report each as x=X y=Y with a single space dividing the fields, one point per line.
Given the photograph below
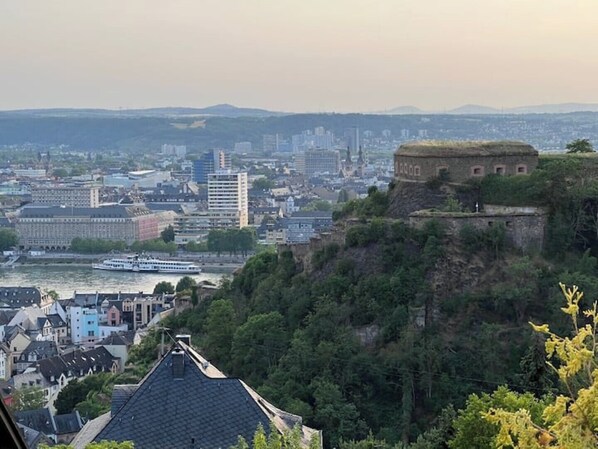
x=525 y=226
x=460 y=161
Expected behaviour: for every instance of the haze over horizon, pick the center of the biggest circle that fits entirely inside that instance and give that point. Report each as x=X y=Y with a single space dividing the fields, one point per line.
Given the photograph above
x=296 y=56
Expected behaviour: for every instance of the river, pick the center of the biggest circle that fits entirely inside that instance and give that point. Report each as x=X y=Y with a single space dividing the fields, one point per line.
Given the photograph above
x=66 y=279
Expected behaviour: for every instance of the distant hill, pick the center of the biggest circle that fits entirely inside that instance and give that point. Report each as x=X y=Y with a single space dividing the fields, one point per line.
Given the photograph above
x=560 y=108
x=405 y=110
x=219 y=110
x=475 y=109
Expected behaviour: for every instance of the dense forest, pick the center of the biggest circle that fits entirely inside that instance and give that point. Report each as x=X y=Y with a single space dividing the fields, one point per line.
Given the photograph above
x=380 y=340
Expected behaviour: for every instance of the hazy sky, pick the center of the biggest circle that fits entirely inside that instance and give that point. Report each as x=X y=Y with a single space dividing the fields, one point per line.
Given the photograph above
x=297 y=55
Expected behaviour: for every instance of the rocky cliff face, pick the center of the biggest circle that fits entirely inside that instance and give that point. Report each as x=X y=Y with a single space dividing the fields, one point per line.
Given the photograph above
x=408 y=197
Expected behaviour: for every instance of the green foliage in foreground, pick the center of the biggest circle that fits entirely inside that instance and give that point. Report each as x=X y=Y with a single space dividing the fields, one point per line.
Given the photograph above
x=276 y=440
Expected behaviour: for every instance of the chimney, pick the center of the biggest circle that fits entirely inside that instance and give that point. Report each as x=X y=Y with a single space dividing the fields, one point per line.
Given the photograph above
x=185 y=338
x=178 y=363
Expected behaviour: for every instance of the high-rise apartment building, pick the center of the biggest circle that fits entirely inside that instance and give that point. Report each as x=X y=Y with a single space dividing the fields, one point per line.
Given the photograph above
x=69 y=196
x=174 y=150
x=227 y=191
x=311 y=162
x=352 y=138
x=210 y=162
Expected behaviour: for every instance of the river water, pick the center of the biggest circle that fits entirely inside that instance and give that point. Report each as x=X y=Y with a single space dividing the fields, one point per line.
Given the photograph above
x=66 y=279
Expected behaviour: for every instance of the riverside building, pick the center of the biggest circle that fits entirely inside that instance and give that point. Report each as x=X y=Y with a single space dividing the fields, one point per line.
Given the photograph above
x=54 y=227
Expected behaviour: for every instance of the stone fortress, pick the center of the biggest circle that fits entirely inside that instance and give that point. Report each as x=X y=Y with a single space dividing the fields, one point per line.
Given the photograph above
x=458 y=161
x=454 y=163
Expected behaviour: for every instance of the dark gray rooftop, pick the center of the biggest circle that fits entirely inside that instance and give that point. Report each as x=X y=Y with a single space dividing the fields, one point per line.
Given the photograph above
x=68 y=423
x=17 y=297
x=193 y=411
x=40 y=419
x=114 y=211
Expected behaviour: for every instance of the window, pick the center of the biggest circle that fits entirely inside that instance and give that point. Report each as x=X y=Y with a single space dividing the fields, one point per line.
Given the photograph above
x=500 y=169
x=477 y=170
x=522 y=169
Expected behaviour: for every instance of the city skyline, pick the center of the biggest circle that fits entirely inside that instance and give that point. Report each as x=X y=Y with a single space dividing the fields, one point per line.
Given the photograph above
x=343 y=56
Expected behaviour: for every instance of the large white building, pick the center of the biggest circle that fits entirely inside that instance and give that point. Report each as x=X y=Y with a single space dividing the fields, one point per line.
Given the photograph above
x=227 y=192
x=69 y=196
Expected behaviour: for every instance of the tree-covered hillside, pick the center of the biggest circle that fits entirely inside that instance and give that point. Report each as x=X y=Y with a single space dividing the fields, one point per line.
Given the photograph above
x=397 y=327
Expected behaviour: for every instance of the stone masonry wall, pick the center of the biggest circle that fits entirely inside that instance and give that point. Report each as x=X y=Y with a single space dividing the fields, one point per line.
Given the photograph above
x=460 y=168
x=525 y=227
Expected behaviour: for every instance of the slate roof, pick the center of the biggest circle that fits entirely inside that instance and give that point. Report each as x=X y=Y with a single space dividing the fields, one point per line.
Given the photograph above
x=17 y=297
x=90 y=431
x=34 y=438
x=113 y=211
x=42 y=349
x=122 y=339
x=40 y=419
x=68 y=423
x=201 y=408
x=75 y=363
x=6 y=316
x=56 y=320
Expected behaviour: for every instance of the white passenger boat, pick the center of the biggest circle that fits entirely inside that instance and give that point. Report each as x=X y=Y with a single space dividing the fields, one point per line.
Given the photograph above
x=147 y=264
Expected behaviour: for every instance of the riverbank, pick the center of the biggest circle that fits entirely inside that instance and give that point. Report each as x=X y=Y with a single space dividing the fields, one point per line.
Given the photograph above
x=208 y=262
x=205 y=267
x=68 y=278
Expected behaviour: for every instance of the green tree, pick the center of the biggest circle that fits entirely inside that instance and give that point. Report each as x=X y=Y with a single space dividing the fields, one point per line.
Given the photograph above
x=220 y=329
x=318 y=205
x=185 y=283
x=473 y=431
x=263 y=184
x=343 y=196
x=217 y=241
x=570 y=420
x=257 y=345
x=335 y=413
x=53 y=294
x=276 y=440
x=77 y=171
x=60 y=173
x=580 y=146
x=167 y=234
x=28 y=398
x=164 y=287
x=8 y=239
